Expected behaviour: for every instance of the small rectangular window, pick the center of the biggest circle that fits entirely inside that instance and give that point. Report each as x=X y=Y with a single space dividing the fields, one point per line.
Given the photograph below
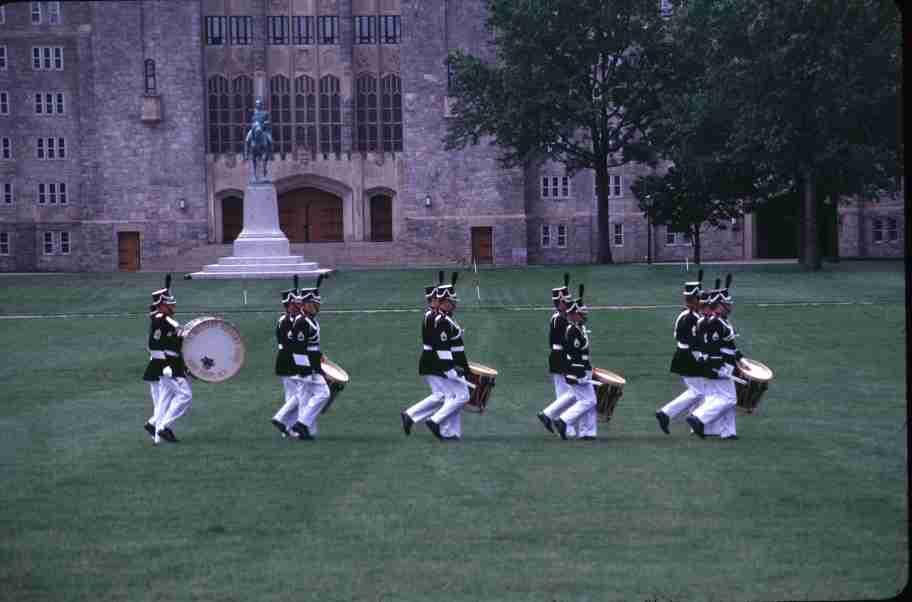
x=545 y=235
x=878 y=230
x=51 y=148
x=4 y=103
x=328 y=29
x=48 y=103
x=61 y=148
x=619 y=235
x=6 y=149
x=614 y=186
x=278 y=30
x=892 y=230
x=52 y=193
x=39 y=148
x=58 y=59
x=2 y=58
x=561 y=236
x=61 y=193
x=241 y=33
x=7 y=193
x=565 y=186
x=554 y=186
x=39 y=106
x=545 y=188
x=390 y=29
x=42 y=194
x=53 y=9
x=36 y=13
x=302 y=31
x=46 y=54
x=365 y=28
x=65 y=243
x=215 y=31
x=36 y=59
x=48 y=243
x=60 y=102
x=4 y=243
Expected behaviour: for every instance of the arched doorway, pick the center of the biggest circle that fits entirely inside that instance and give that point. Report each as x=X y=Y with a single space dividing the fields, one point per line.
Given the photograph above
x=232 y=218
x=381 y=215
x=310 y=215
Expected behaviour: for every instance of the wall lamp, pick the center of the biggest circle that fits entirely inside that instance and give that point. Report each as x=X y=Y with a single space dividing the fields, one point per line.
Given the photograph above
x=427 y=201
x=182 y=204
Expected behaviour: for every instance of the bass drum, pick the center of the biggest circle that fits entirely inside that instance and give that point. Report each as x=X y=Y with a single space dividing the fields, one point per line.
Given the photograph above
x=336 y=378
x=212 y=348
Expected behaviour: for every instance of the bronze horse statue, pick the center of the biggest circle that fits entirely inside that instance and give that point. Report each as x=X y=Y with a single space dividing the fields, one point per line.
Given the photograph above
x=258 y=146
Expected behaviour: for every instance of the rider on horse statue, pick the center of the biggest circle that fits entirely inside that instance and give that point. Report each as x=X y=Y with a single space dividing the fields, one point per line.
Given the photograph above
x=258 y=143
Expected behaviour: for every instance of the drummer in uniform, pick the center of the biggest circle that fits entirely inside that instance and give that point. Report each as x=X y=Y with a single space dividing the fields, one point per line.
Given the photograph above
x=314 y=392
x=582 y=414
x=716 y=416
x=557 y=361
x=684 y=361
x=285 y=368
x=166 y=372
x=425 y=408
x=451 y=364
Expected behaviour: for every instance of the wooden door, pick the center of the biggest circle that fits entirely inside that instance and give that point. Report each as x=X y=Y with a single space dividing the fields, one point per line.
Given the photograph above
x=232 y=218
x=482 y=245
x=324 y=216
x=128 y=251
x=310 y=215
x=381 y=208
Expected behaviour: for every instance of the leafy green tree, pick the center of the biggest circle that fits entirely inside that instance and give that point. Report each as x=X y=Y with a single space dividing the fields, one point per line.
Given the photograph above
x=576 y=81
x=816 y=86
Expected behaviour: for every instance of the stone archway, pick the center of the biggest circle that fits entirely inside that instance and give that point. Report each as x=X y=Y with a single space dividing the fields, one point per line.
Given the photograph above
x=232 y=218
x=311 y=215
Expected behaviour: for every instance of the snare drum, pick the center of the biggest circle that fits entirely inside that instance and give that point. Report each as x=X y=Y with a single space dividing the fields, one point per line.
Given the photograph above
x=758 y=377
x=213 y=350
x=336 y=378
x=482 y=377
x=608 y=393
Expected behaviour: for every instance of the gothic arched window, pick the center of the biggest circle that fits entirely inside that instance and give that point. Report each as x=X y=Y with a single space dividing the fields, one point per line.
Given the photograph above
x=366 y=113
x=280 y=108
x=305 y=103
x=242 y=91
x=330 y=115
x=219 y=116
x=391 y=102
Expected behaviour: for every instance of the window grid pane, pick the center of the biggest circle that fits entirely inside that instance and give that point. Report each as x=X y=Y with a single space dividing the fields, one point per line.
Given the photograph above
x=4 y=241
x=53 y=13
x=61 y=193
x=46 y=52
x=4 y=103
x=619 y=235
x=329 y=27
x=48 y=243
x=365 y=28
x=565 y=186
x=7 y=193
x=302 y=30
x=562 y=236
x=390 y=25
x=58 y=59
x=278 y=30
x=65 y=243
x=545 y=235
x=7 y=149
x=36 y=13
x=39 y=106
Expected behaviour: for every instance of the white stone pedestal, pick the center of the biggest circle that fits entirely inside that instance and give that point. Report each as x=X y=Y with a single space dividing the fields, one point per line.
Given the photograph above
x=261 y=250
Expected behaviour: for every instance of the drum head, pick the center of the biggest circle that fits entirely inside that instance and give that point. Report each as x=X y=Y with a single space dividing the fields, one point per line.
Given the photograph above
x=481 y=369
x=333 y=372
x=607 y=376
x=213 y=349
x=755 y=370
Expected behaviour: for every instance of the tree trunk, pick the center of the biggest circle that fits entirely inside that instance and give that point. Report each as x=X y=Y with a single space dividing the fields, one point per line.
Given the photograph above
x=604 y=214
x=695 y=236
x=811 y=256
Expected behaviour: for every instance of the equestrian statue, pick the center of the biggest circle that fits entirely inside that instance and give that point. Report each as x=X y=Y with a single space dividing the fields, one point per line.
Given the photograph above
x=258 y=142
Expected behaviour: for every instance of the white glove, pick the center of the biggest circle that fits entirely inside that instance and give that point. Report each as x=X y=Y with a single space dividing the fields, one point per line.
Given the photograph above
x=451 y=373
x=166 y=371
x=726 y=370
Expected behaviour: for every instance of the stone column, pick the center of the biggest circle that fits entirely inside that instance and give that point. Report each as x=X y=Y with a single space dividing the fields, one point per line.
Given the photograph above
x=261 y=235
x=748 y=229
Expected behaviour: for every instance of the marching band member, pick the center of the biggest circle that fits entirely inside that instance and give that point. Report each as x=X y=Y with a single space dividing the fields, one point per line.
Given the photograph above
x=425 y=408
x=451 y=363
x=717 y=414
x=582 y=414
x=557 y=361
x=685 y=360
x=171 y=393
x=285 y=368
x=314 y=394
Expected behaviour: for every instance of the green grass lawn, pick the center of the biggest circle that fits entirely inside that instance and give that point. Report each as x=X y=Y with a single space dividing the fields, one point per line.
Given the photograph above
x=809 y=503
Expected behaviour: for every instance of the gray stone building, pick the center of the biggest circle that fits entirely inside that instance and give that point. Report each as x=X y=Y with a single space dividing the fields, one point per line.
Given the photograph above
x=121 y=128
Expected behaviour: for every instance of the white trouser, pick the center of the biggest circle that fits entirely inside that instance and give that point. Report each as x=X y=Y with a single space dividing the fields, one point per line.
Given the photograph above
x=425 y=408
x=686 y=402
x=174 y=401
x=718 y=412
x=582 y=414
x=313 y=397
x=288 y=413
x=155 y=388
x=449 y=416
x=565 y=397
